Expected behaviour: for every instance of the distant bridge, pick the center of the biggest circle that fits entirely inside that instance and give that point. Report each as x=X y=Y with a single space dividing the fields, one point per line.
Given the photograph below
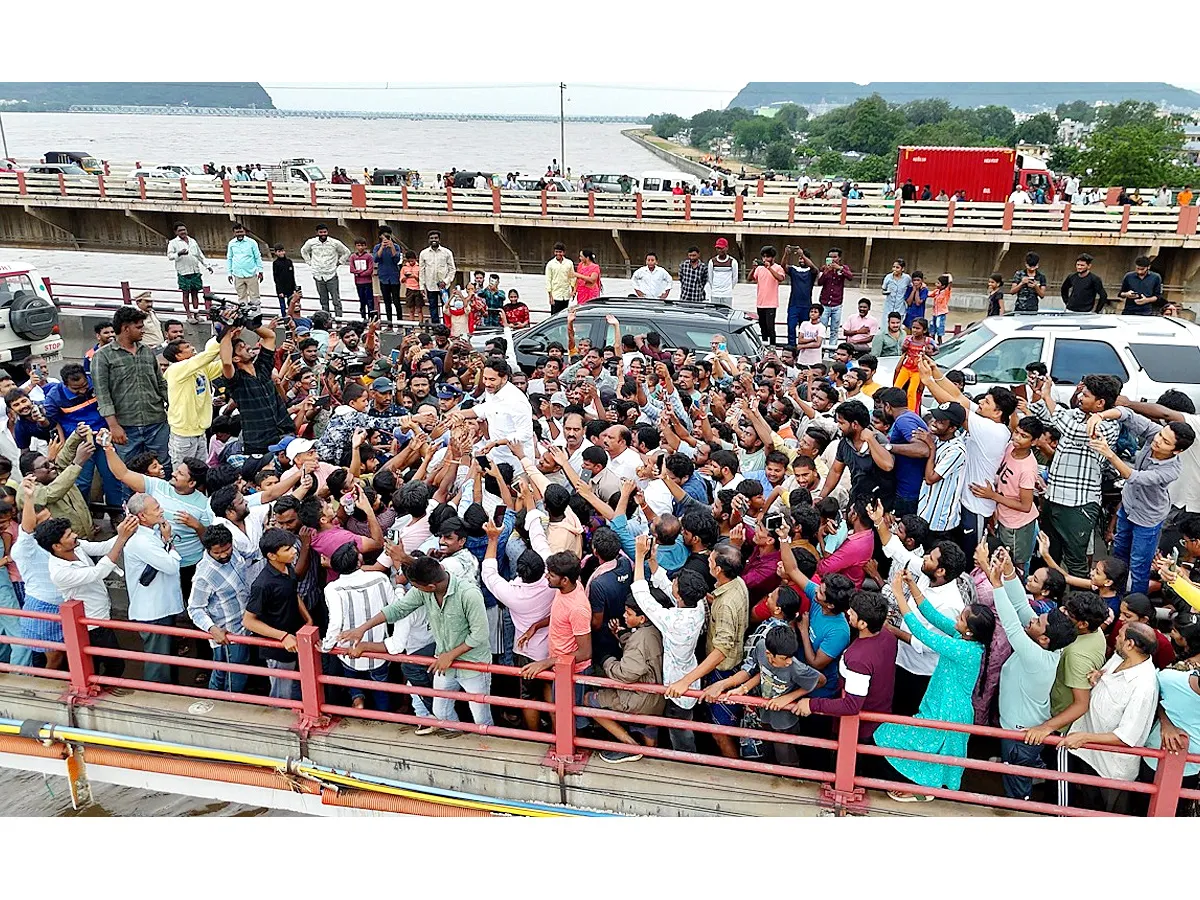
x=113 y=109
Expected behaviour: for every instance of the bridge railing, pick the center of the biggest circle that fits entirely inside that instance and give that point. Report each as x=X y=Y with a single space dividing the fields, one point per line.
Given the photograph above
x=836 y=757
x=770 y=209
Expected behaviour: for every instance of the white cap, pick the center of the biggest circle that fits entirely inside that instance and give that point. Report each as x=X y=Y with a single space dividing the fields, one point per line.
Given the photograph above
x=298 y=446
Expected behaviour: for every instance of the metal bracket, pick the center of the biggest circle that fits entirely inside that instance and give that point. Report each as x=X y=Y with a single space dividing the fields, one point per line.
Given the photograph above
x=566 y=765
x=616 y=236
x=845 y=802
x=130 y=214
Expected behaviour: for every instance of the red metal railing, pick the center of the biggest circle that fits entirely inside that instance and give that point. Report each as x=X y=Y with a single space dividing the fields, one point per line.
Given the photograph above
x=843 y=788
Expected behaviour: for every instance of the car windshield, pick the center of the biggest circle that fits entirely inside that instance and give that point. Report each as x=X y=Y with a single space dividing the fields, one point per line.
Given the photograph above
x=314 y=174
x=955 y=350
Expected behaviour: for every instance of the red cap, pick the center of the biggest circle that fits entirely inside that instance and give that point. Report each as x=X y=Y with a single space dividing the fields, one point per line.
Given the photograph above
x=722 y=244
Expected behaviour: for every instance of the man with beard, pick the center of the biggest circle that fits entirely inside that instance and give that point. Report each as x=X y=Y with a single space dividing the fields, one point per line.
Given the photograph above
x=506 y=411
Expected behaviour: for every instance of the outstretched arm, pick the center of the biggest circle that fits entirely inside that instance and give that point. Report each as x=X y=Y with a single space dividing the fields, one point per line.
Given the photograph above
x=135 y=481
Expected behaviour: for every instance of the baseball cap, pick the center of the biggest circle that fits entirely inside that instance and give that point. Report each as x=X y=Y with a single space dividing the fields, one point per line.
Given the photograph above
x=559 y=399
x=303 y=329
x=298 y=446
x=383 y=385
x=448 y=392
x=281 y=445
x=722 y=244
x=380 y=368
x=949 y=412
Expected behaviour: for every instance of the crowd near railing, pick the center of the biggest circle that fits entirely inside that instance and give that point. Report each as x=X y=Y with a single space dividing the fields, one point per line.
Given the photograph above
x=842 y=788
x=758 y=207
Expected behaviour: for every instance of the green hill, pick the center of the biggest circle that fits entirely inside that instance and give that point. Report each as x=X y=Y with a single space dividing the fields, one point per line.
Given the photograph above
x=1019 y=96
x=36 y=96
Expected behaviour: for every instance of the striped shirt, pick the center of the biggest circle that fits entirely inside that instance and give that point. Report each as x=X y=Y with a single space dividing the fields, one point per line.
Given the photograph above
x=938 y=503
x=352 y=600
x=220 y=592
x=1075 y=469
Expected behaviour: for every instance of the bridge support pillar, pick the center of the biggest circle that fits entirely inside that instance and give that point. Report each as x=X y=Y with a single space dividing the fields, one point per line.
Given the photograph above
x=616 y=236
x=999 y=258
x=499 y=230
x=866 y=263
x=43 y=216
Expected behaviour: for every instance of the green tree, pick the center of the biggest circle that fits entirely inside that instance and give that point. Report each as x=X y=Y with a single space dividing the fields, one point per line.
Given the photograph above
x=1135 y=155
x=926 y=112
x=874 y=126
x=947 y=133
x=1128 y=112
x=873 y=169
x=667 y=125
x=1076 y=111
x=1065 y=158
x=995 y=123
x=1039 y=129
x=779 y=155
x=753 y=134
x=831 y=163
x=791 y=116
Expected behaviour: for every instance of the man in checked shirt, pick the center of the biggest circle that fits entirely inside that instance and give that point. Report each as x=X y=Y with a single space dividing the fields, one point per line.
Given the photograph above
x=1072 y=505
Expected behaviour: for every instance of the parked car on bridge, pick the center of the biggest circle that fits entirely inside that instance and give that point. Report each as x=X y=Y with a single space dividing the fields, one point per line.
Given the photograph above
x=171 y=172
x=687 y=326
x=56 y=169
x=85 y=161
x=1150 y=354
x=28 y=320
x=608 y=183
x=536 y=183
x=301 y=170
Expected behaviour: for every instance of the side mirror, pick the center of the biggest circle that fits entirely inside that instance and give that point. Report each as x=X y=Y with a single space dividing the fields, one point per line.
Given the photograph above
x=969 y=376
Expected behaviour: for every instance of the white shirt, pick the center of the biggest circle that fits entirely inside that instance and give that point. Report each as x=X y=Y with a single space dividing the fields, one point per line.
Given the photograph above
x=659 y=497
x=82 y=579
x=626 y=464
x=985 y=442
x=353 y=600
x=680 y=627
x=1185 y=490
x=1019 y=198
x=509 y=417
x=163 y=596
x=258 y=175
x=1122 y=703
x=652 y=283
x=915 y=657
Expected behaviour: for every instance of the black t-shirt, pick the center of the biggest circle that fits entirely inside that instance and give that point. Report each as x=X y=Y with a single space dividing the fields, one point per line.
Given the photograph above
x=908 y=192
x=264 y=415
x=284 y=274
x=994 y=300
x=698 y=563
x=867 y=481
x=1027 y=297
x=274 y=598
x=607 y=594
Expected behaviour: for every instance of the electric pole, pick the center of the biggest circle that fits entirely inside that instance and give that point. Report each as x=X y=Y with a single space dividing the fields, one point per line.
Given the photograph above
x=3 y=138
x=562 y=128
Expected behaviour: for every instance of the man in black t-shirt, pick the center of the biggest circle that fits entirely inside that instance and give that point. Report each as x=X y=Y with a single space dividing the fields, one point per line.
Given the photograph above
x=1029 y=285
x=275 y=609
x=264 y=415
x=866 y=454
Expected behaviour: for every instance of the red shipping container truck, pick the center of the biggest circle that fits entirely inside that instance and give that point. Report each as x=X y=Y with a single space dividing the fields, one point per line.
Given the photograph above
x=986 y=174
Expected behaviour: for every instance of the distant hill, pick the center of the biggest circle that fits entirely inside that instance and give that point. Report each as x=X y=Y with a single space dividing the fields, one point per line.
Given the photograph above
x=1019 y=96
x=36 y=96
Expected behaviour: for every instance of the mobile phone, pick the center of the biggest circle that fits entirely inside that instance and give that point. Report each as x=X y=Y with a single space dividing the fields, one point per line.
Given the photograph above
x=396 y=357
x=323 y=402
x=498 y=515
x=829 y=260
x=772 y=522
x=721 y=347
x=484 y=462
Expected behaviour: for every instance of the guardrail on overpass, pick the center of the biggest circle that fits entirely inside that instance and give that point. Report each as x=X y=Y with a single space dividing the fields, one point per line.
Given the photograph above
x=576 y=209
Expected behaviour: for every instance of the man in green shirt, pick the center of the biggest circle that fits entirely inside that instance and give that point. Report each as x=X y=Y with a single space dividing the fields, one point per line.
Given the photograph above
x=459 y=623
x=890 y=342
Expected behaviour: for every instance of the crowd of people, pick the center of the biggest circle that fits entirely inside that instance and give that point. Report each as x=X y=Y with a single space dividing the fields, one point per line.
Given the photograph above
x=785 y=527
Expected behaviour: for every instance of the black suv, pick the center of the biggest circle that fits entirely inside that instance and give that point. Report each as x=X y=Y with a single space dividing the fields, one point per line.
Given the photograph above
x=688 y=326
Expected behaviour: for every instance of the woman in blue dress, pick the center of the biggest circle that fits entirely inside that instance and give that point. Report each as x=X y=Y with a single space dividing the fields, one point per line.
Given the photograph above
x=961 y=645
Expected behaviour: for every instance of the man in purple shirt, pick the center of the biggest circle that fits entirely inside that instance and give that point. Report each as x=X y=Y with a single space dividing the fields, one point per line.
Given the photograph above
x=833 y=278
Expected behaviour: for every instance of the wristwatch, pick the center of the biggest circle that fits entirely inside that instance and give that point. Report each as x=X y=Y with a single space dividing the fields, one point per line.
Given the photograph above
x=888 y=446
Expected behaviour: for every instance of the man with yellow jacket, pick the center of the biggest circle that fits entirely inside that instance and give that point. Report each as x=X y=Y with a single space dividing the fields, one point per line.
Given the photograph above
x=189 y=378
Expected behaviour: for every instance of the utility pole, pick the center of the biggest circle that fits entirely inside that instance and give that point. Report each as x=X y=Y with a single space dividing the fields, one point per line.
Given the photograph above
x=3 y=138
x=562 y=128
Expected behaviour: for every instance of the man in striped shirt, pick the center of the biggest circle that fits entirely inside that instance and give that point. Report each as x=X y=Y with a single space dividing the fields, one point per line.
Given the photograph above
x=220 y=591
x=938 y=503
x=354 y=599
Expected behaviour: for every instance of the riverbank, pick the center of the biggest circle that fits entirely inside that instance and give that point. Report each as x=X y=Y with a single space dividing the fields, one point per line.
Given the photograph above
x=684 y=158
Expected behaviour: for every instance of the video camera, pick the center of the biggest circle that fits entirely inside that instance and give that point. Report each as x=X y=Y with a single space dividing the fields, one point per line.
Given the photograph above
x=228 y=312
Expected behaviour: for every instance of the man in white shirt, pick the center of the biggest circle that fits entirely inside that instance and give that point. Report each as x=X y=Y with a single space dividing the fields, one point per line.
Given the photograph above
x=623 y=460
x=651 y=280
x=1121 y=711
x=560 y=279
x=722 y=275
x=77 y=577
x=152 y=580
x=506 y=410
x=354 y=598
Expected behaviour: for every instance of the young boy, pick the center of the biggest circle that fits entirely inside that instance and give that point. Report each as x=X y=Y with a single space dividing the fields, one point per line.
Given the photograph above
x=1016 y=514
x=811 y=338
x=275 y=609
x=284 y=274
x=362 y=267
x=410 y=280
x=781 y=679
x=941 y=306
x=1108 y=577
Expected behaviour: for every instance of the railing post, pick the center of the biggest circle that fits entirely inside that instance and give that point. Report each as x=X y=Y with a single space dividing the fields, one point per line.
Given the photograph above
x=226 y=191
x=1168 y=780
x=843 y=794
x=23 y=188
x=760 y=188
x=637 y=208
x=1066 y=216
x=544 y=204
x=62 y=184
x=270 y=193
x=312 y=193
x=592 y=204
x=495 y=200
x=896 y=205
x=449 y=198
x=358 y=196
x=950 y=215
x=1007 y=223
x=141 y=187
x=687 y=207
x=75 y=637
x=1125 y=212
x=845 y=211
x=312 y=692
x=739 y=208
x=183 y=189
x=404 y=196
x=791 y=210
x=126 y=293
x=564 y=711
x=1189 y=218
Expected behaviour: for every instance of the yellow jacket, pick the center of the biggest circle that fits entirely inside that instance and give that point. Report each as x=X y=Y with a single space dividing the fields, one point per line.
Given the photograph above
x=189 y=391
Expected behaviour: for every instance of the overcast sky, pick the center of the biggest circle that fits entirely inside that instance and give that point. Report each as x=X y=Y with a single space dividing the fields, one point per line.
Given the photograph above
x=580 y=100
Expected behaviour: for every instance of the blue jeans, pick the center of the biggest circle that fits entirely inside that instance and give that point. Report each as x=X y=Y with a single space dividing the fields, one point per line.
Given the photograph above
x=142 y=438
x=284 y=688
x=1019 y=753
x=1136 y=545
x=938 y=326
x=831 y=318
x=12 y=625
x=797 y=316
x=379 y=699
x=113 y=489
x=234 y=682
x=418 y=675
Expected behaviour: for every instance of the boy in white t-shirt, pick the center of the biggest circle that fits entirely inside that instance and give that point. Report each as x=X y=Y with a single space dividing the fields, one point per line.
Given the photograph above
x=810 y=338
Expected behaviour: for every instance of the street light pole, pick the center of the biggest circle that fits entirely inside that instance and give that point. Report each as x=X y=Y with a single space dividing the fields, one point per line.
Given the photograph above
x=3 y=138
x=562 y=128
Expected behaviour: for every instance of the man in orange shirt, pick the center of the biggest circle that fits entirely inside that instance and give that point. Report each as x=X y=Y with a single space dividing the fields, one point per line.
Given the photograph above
x=570 y=623
x=1184 y=197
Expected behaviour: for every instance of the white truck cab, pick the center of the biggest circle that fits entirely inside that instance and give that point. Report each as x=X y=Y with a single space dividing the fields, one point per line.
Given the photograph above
x=28 y=318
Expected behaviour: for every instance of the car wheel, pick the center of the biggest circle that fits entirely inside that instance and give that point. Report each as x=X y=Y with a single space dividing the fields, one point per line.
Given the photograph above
x=31 y=317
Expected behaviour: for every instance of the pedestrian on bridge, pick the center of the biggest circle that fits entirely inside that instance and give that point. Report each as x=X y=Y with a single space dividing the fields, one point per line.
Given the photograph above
x=244 y=262
x=188 y=258
x=323 y=255
x=437 y=272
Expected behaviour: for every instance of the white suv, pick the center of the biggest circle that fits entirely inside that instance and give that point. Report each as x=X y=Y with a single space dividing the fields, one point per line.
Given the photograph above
x=1150 y=354
x=28 y=319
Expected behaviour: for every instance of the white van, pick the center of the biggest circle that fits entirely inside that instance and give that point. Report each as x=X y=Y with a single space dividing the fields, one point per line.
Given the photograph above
x=663 y=181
